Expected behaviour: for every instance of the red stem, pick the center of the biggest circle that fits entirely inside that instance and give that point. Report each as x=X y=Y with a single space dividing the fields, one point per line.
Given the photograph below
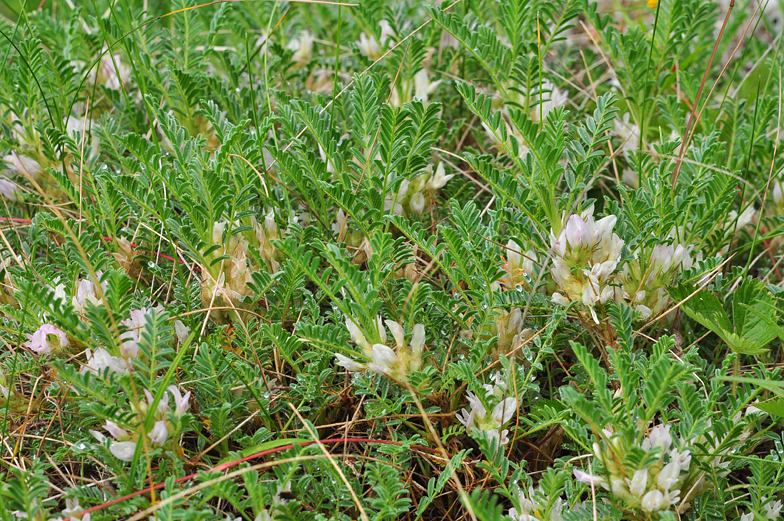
x=228 y=465
x=134 y=246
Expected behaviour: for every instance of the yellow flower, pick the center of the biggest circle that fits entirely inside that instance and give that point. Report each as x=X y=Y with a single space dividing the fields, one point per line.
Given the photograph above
x=652 y=3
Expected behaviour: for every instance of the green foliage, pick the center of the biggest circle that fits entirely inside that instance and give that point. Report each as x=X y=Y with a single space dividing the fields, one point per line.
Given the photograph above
x=389 y=260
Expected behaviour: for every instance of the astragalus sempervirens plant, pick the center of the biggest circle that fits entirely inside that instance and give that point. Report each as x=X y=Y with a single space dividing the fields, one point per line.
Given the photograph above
x=513 y=259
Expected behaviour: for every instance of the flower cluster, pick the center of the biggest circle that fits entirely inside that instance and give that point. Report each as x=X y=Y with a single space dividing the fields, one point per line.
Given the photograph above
x=266 y=232
x=124 y=445
x=585 y=255
x=533 y=507
x=225 y=282
x=655 y=487
x=491 y=422
x=396 y=363
x=645 y=283
x=415 y=195
x=129 y=349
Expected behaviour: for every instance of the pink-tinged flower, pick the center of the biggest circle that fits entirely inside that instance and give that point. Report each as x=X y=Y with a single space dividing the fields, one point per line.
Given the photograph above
x=115 y=430
x=159 y=433
x=577 y=232
x=163 y=405
x=45 y=338
x=181 y=404
x=130 y=345
x=123 y=450
x=477 y=412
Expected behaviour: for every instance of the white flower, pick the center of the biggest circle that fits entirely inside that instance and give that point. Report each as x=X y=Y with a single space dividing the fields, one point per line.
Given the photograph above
x=384 y=359
x=778 y=193
x=658 y=437
x=123 y=450
x=417 y=344
x=438 y=179
x=683 y=458
x=112 y=72
x=417 y=203
x=263 y=516
x=46 y=337
x=369 y=46
x=101 y=360
x=397 y=332
x=772 y=509
x=423 y=87
x=71 y=507
x=589 y=479
x=747 y=517
x=505 y=411
x=356 y=335
x=631 y=178
x=560 y=299
x=85 y=292
x=557 y=98
x=639 y=482
x=181 y=330
x=340 y=222
x=303 y=47
x=644 y=311
x=349 y=364
x=669 y=475
x=286 y=487
x=181 y=402
x=9 y=190
x=629 y=134
x=653 y=501
x=159 y=433
x=23 y=165
x=501 y=436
